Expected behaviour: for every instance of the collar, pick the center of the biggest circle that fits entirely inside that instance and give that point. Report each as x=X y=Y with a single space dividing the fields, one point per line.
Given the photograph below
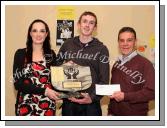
x=85 y=44
x=127 y=58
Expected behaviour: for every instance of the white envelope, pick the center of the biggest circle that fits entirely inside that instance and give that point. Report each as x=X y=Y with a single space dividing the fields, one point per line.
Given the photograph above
x=107 y=89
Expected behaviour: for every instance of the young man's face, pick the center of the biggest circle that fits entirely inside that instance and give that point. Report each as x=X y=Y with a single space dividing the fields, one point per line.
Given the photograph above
x=87 y=25
x=127 y=43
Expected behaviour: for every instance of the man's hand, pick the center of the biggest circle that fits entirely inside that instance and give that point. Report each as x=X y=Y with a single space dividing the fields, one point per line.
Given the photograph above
x=85 y=100
x=118 y=96
x=70 y=62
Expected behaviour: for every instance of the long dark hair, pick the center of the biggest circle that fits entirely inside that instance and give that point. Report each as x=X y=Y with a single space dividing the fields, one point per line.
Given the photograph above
x=46 y=44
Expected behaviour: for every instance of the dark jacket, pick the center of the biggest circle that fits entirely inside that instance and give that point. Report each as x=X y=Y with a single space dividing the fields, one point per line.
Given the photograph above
x=19 y=76
x=94 y=54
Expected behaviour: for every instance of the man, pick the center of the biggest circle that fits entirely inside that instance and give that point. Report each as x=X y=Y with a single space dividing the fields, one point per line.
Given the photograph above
x=85 y=50
x=136 y=77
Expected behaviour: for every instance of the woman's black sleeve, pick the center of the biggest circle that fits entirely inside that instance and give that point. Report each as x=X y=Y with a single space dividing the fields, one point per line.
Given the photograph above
x=21 y=80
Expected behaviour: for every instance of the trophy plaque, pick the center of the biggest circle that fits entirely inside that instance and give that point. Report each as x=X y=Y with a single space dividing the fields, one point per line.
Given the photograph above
x=70 y=79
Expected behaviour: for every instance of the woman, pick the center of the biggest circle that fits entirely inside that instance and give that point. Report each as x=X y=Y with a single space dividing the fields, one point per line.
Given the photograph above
x=31 y=73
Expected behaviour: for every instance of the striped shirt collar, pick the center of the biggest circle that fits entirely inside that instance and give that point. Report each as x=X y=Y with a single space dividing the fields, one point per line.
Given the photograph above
x=127 y=58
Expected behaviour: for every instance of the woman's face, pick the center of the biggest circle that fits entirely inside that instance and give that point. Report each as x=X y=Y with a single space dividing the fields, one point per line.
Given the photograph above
x=38 y=33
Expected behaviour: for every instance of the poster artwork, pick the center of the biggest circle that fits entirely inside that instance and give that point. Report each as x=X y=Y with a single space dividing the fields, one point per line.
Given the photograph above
x=65 y=30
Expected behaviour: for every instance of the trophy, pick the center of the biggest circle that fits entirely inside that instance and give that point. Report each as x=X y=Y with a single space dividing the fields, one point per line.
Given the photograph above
x=70 y=79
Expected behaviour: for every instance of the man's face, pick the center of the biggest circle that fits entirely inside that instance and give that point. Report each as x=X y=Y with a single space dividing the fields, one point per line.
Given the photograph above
x=127 y=43
x=87 y=25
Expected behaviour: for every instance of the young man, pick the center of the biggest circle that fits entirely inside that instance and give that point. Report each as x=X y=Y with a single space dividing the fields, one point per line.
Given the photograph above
x=136 y=77
x=85 y=50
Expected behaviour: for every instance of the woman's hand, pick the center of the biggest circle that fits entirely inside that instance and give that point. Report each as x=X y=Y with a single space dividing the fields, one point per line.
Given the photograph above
x=52 y=94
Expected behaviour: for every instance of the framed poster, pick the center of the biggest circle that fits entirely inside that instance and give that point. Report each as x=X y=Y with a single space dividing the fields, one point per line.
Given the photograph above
x=65 y=30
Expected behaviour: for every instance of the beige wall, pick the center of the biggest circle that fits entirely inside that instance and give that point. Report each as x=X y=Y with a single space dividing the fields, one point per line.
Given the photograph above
x=110 y=20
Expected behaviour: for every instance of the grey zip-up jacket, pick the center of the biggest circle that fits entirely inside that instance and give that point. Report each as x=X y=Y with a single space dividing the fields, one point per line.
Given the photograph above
x=93 y=54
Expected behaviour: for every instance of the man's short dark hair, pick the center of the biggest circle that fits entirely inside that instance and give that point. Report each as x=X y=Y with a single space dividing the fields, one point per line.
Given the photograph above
x=127 y=29
x=90 y=14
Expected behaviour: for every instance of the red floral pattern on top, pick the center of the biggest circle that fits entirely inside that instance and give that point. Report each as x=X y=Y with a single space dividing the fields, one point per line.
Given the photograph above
x=24 y=109
x=49 y=112
x=48 y=86
x=37 y=66
x=44 y=104
x=43 y=79
x=36 y=104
